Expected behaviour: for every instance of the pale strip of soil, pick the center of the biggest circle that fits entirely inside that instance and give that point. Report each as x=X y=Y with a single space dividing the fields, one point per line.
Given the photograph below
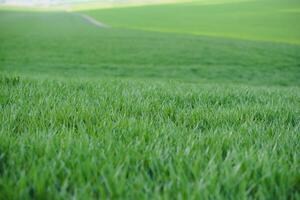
x=93 y=21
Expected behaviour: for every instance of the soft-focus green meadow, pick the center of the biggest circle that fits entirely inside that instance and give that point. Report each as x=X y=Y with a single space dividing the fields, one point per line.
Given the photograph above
x=182 y=101
x=262 y=20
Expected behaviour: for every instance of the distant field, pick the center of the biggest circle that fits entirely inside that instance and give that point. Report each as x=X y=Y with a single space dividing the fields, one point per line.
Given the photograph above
x=185 y=101
x=265 y=20
x=64 y=45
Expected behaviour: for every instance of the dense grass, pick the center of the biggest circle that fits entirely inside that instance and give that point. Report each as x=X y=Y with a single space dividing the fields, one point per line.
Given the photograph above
x=134 y=114
x=136 y=139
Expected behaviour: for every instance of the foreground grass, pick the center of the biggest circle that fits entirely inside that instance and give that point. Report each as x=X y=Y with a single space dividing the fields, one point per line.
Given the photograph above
x=136 y=139
x=121 y=113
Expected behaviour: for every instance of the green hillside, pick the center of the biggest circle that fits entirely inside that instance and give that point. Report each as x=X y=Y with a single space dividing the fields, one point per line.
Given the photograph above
x=64 y=45
x=155 y=107
x=263 y=20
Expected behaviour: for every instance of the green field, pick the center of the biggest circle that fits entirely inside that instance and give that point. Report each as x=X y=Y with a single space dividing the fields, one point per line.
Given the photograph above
x=263 y=20
x=195 y=100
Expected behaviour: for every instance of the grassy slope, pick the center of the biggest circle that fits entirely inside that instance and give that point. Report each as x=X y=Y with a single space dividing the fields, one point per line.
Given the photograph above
x=129 y=131
x=267 y=20
x=51 y=44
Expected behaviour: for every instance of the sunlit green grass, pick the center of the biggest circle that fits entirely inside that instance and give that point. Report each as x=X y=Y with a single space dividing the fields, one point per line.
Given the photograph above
x=264 y=20
x=89 y=113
